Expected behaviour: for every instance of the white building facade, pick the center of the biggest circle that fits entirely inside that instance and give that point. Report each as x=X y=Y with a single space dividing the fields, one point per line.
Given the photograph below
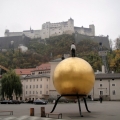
x=54 y=29
x=40 y=84
x=35 y=82
x=107 y=85
x=35 y=87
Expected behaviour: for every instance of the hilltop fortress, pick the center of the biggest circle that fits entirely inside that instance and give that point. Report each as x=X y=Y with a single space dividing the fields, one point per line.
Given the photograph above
x=54 y=29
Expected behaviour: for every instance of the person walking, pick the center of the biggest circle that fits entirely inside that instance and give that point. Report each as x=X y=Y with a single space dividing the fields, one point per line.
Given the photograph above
x=101 y=99
x=73 y=49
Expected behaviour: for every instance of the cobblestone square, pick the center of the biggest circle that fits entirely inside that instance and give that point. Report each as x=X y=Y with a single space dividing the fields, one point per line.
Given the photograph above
x=108 y=110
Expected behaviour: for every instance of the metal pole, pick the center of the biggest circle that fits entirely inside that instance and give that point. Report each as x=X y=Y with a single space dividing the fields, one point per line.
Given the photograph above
x=79 y=106
x=56 y=103
x=109 y=89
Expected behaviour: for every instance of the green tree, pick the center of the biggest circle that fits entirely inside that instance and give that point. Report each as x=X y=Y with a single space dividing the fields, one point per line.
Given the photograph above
x=117 y=43
x=41 y=51
x=10 y=83
x=0 y=87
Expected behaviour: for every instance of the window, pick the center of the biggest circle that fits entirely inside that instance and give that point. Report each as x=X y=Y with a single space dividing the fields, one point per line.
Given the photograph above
x=26 y=86
x=30 y=86
x=30 y=80
x=46 y=86
x=113 y=92
x=33 y=86
x=33 y=92
x=40 y=86
x=46 y=92
x=100 y=79
x=29 y=92
x=40 y=92
x=101 y=92
x=36 y=92
x=100 y=85
x=26 y=92
x=36 y=86
x=113 y=84
x=41 y=79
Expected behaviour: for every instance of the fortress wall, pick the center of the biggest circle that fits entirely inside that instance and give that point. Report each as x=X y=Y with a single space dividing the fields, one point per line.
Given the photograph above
x=104 y=40
x=84 y=31
x=52 y=25
x=79 y=30
x=13 y=34
x=92 y=27
x=45 y=32
x=17 y=41
x=55 y=29
x=32 y=33
x=37 y=33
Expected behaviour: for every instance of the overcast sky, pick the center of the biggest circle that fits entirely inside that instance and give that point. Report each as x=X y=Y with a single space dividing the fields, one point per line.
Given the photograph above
x=19 y=15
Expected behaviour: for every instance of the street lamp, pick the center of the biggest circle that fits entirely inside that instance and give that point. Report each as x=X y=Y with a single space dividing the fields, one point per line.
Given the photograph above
x=12 y=45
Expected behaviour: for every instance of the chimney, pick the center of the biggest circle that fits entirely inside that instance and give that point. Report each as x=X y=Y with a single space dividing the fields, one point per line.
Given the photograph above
x=103 y=69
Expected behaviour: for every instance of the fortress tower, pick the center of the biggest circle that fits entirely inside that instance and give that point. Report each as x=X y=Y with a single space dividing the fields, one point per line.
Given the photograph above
x=45 y=32
x=92 y=30
x=55 y=29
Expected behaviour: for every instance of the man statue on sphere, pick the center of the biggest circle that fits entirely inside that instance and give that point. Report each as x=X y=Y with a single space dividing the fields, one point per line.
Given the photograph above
x=73 y=49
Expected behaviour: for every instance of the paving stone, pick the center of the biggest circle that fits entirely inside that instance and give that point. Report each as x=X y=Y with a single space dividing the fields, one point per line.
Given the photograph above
x=28 y=118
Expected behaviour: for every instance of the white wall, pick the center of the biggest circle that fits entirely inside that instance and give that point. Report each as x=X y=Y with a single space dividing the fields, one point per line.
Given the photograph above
x=33 y=33
x=116 y=88
x=98 y=88
x=55 y=29
x=35 y=88
x=108 y=86
x=13 y=34
x=53 y=66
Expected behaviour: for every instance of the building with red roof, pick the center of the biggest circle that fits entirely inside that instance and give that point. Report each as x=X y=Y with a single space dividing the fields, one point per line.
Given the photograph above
x=42 y=69
x=24 y=72
x=35 y=82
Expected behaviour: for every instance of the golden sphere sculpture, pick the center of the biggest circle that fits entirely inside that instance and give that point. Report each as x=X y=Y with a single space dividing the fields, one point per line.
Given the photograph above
x=73 y=76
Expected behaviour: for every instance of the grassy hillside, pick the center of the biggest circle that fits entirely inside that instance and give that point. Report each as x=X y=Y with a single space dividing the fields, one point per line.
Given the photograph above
x=52 y=48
